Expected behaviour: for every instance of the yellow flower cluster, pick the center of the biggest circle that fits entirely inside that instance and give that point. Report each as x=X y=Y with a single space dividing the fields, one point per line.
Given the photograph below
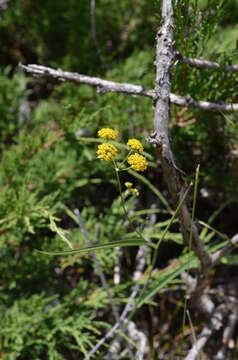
x=129 y=186
x=107 y=133
x=106 y=152
x=135 y=145
x=137 y=162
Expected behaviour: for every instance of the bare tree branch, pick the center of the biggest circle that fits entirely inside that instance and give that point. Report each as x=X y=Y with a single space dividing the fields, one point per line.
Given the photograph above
x=164 y=58
x=124 y=88
x=101 y=85
x=160 y=136
x=204 y=302
x=117 y=267
x=202 y=63
x=197 y=285
x=187 y=101
x=214 y=325
x=140 y=338
x=127 y=310
x=229 y=330
x=232 y=244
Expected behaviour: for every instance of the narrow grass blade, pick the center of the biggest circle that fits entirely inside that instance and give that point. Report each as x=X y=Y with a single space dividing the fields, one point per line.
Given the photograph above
x=122 y=243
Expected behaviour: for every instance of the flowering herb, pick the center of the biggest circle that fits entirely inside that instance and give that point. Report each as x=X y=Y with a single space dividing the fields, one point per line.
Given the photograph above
x=106 y=152
x=107 y=133
x=137 y=162
x=135 y=145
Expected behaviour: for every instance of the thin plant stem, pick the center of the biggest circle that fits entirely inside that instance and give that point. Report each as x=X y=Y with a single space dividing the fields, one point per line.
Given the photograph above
x=123 y=162
x=190 y=239
x=124 y=207
x=126 y=169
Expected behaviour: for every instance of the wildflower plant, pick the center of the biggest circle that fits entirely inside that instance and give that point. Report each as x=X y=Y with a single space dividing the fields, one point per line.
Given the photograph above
x=107 y=152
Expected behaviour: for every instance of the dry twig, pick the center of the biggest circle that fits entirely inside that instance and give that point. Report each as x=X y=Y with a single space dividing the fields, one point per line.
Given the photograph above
x=202 y=63
x=160 y=136
x=232 y=244
x=125 y=314
x=124 y=88
x=214 y=325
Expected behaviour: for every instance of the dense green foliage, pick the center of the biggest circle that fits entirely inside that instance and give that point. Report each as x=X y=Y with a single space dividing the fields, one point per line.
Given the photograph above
x=55 y=307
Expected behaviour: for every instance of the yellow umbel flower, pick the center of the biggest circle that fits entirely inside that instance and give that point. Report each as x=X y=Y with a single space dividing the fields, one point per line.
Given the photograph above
x=106 y=152
x=128 y=185
x=107 y=133
x=135 y=192
x=137 y=162
x=135 y=145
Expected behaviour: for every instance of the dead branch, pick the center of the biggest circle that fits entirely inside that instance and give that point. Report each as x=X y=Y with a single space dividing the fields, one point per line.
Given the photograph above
x=187 y=101
x=160 y=136
x=117 y=267
x=139 y=337
x=104 y=86
x=232 y=244
x=202 y=63
x=125 y=314
x=214 y=325
x=229 y=330
x=203 y=276
x=204 y=302
x=101 y=85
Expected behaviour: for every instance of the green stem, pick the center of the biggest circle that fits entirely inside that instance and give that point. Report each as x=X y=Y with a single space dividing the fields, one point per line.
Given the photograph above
x=124 y=207
x=125 y=169
x=190 y=237
x=125 y=160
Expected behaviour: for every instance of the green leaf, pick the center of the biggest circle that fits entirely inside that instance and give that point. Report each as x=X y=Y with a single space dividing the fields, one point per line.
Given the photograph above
x=164 y=279
x=122 y=243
